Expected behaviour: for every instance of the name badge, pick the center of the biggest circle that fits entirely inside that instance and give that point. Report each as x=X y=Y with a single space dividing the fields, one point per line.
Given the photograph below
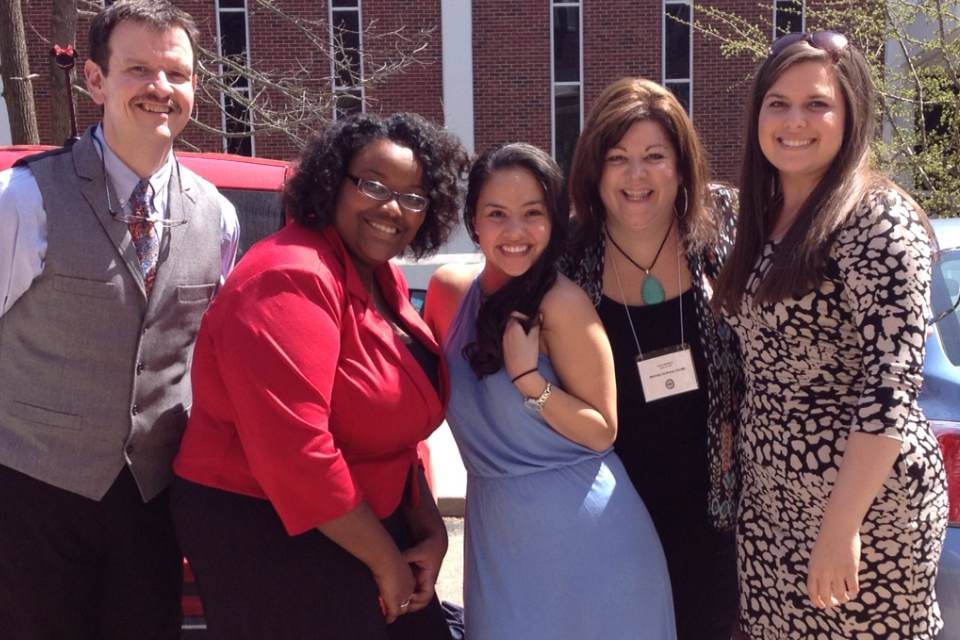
x=668 y=372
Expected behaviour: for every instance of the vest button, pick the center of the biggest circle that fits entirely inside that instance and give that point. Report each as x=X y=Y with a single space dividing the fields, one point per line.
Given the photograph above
x=139 y=367
x=135 y=409
x=129 y=448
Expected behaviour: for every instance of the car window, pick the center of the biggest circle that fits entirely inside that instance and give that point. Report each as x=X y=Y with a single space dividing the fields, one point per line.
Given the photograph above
x=944 y=294
x=417 y=298
x=260 y=214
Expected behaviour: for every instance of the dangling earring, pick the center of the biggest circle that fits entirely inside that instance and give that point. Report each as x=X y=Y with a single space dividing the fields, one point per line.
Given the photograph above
x=686 y=204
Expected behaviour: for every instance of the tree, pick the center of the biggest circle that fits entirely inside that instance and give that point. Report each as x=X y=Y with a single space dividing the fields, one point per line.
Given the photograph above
x=15 y=70
x=295 y=101
x=913 y=47
x=290 y=101
x=64 y=33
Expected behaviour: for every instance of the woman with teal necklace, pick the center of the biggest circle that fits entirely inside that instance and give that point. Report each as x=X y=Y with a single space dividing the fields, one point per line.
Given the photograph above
x=649 y=237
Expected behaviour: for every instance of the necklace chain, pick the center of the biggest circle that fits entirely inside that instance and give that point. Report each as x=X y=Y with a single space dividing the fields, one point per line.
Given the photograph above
x=656 y=256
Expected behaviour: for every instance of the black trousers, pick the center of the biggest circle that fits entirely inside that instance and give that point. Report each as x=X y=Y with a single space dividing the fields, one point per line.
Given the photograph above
x=257 y=582
x=74 y=568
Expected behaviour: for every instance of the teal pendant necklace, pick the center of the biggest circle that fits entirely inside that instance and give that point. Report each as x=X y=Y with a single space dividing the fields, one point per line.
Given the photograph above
x=652 y=291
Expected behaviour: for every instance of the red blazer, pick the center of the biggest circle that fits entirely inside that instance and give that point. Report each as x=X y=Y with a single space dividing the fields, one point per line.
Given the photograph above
x=302 y=393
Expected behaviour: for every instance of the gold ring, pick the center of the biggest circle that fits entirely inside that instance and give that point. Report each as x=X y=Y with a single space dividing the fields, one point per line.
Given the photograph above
x=404 y=604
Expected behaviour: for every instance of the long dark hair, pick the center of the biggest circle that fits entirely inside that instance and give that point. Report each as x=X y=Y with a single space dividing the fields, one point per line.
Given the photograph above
x=525 y=292
x=619 y=106
x=801 y=255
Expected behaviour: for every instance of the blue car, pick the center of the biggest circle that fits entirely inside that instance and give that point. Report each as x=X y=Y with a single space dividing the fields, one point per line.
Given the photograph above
x=940 y=399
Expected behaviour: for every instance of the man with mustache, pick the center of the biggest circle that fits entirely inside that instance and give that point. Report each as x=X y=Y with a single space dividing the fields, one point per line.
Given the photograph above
x=109 y=253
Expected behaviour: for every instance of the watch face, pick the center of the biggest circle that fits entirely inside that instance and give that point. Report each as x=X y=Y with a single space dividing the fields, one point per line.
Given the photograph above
x=536 y=404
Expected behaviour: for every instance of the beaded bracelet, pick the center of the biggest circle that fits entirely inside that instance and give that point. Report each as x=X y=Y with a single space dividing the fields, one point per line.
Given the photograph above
x=525 y=373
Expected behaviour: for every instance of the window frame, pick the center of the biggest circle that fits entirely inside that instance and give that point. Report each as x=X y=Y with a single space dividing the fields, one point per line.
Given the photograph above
x=554 y=84
x=336 y=89
x=803 y=16
x=688 y=80
x=246 y=89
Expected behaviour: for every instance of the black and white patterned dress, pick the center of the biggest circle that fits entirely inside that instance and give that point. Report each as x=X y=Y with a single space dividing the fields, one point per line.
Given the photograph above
x=843 y=358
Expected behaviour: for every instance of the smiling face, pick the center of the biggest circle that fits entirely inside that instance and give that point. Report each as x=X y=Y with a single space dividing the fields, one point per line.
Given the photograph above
x=512 y=225
x=801 y=123
x=640 y=179
x=375 y=231
x=147 y=94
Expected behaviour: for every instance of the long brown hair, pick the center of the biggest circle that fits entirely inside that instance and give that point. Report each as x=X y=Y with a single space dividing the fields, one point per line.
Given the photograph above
x=801 y=255
x=620 y=105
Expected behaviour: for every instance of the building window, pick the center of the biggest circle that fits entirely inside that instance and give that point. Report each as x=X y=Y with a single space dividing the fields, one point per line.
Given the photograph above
x=788 y=17
x=678 y=50
x=232 y=38
x=346 y=55
x=566 y=73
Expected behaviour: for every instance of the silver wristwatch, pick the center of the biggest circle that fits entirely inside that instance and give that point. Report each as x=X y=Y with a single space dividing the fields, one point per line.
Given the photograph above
x=537 y=403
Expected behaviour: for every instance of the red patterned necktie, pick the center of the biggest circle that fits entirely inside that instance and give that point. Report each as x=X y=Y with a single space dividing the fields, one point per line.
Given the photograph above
x=144 y=233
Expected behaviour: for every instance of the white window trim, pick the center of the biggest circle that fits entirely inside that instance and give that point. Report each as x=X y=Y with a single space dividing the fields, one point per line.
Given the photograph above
x=553 y=82
x=333 y=71
x=663 y=51
x=223 y=102
x=803 y=17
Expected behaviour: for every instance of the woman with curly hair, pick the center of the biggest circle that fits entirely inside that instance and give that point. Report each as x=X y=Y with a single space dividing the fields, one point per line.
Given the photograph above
x=300 y=501
x=533 y=410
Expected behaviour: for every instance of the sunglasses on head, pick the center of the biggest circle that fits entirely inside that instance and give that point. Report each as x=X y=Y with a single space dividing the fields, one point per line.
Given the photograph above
x=830 y=41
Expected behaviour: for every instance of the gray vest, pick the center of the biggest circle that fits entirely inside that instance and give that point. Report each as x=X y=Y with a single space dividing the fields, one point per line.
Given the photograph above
x=93 y=376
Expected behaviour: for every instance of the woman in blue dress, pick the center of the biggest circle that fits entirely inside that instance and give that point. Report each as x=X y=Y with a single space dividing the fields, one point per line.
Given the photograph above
x=558 y=544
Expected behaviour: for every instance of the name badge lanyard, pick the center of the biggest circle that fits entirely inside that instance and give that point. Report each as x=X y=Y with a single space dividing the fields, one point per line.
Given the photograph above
x=666 y=372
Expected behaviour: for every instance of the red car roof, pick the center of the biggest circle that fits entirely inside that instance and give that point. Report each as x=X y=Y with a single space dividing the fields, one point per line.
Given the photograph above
x=224 y=170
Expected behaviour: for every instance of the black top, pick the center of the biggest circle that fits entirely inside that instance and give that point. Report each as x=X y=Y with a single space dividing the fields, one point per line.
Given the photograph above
x=663 y=444
x=428 y=360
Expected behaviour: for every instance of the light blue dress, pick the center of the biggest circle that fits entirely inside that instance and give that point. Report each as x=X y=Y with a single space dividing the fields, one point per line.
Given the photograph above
x=557 y=543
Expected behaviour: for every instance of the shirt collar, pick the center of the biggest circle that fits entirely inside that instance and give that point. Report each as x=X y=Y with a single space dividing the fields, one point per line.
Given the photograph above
x=124 y=179
x=393 y=286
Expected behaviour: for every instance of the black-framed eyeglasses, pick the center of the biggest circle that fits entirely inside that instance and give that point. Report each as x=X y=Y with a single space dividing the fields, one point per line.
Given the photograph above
x=412 y=202
x=830 y=41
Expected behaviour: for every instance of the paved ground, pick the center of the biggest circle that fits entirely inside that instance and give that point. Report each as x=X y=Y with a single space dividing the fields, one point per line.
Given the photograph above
x=450 y=584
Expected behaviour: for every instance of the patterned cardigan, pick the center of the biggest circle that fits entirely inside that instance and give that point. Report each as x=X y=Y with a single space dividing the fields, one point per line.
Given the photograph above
x=721 y=348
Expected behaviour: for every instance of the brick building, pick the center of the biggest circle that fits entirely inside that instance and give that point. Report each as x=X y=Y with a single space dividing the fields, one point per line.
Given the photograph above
x=491 y=70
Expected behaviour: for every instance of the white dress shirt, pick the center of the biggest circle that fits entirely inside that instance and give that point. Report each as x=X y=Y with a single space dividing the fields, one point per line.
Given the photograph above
x=23 y=220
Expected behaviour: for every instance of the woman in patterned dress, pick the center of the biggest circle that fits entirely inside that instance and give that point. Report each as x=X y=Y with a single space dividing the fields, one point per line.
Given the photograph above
x=843 y=507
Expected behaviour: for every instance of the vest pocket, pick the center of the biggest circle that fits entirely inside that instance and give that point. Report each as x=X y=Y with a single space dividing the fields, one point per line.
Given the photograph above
x=82 y=287
x=195 y=292
x=33 y=413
